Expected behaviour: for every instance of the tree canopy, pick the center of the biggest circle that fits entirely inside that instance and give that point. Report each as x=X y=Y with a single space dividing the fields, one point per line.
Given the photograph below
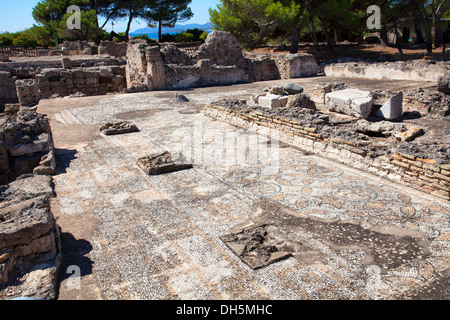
x=255 y=21
x=51 y=18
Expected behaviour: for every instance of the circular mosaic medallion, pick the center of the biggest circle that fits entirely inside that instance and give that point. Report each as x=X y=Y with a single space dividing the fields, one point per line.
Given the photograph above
x=355 y=193
x=324 y=172
x=262 y=189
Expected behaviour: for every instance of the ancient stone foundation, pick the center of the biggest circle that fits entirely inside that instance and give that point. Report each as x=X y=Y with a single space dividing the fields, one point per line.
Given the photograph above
x=416 y=70
x=30 y=252
x=26 y=144
x=313 y=132
x=219 y=61
x=29 y=81
x=89 y=81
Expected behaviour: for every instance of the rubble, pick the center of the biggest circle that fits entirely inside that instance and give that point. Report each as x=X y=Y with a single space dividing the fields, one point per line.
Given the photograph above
x=162 y=163
x=116 y=128
x=301 y=100
x=366 y=144
x=258 y=246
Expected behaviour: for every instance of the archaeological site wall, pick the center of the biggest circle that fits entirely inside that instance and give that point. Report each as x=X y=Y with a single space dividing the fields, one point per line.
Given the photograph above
x=89 y=81
x=385 y=147
x=30 y=252
x=416 y=70
x=219 y=61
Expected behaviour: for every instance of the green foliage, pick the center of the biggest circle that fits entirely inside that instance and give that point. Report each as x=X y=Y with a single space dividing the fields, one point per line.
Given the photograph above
x=144 y=37
x=25 y=40
x=6 y=39
x=252 y=21
x=88 y=29
x=167 y=37
x=184 y=37
x=166 y=13
x=190 y=35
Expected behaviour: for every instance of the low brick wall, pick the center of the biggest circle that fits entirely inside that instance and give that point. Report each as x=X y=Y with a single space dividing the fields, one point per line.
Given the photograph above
x=421 y=174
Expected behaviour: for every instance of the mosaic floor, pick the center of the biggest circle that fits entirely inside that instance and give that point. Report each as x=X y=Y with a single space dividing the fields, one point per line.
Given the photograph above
x=158 y=237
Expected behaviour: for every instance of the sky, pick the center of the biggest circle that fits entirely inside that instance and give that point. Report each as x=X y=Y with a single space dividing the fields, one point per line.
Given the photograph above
x=16 y=15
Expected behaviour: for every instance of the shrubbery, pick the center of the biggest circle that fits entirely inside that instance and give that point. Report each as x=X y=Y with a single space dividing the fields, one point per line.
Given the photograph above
x=190 y=35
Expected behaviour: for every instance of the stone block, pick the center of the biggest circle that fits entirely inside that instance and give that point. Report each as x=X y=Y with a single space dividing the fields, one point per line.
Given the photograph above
x=66 y=63
x=118 y=128
x=392 y=109
x=352 y=102
x=27 y=92
x=25 y=149
x=270 y=101
x=443 y=84
x=301 y=100
x=161 y=163
x=298 y=65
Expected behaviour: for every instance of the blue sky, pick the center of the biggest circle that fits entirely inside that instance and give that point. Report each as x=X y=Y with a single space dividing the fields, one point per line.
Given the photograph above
x=16 y=15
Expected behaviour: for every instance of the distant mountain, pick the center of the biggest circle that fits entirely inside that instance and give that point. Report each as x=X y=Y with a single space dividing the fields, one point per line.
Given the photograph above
x=177 y=28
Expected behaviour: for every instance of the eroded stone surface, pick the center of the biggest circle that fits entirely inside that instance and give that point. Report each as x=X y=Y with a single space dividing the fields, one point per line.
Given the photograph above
x=352 y=102
x=29 y=240
x=161 y=163
x=121 y=127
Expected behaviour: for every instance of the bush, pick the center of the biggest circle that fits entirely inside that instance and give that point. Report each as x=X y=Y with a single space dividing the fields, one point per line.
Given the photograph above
x=146 y=38
x=6 y=39
x=184 y=37
x=23 y=39
x=167 y=37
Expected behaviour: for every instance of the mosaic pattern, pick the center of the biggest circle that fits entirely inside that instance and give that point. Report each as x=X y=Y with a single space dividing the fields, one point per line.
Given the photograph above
x=159 y=236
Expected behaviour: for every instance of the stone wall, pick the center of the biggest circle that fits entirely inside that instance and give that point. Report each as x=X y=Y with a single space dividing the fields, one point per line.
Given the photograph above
x=26 y=144
x=300 y=65
x=219 y=61
x=113 y=49
x=424 y=174
x=30 y=250
x=89 y=81
x=7 y=89
x=416 y=70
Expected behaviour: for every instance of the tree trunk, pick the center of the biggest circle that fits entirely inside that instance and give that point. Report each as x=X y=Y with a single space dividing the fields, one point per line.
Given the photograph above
x=338 y=34
x=295 y=36
x=426 y=32
x=327 y=36
x=312 y=31
x=160 y=30
x=435 y=34
x=426 y=36
x=384 y=37
x=398 y=40
x=130 y=19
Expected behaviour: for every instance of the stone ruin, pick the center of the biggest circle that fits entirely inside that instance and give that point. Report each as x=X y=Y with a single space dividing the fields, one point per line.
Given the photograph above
x=366 y=130
x=30 y=253
x=30 y=250
x=330 y=120
x=219 y=61
x=415 y=70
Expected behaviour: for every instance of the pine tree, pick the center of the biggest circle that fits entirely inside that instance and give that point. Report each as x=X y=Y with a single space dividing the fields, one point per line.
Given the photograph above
x=166 y=13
